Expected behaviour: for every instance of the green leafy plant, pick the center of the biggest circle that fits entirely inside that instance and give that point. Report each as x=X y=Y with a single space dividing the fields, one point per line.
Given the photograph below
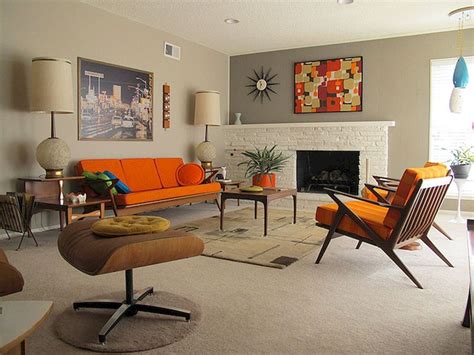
x=263 y=161
x=462 y=156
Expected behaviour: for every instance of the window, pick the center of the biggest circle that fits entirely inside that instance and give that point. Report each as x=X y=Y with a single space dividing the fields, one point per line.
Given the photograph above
x=450 y=130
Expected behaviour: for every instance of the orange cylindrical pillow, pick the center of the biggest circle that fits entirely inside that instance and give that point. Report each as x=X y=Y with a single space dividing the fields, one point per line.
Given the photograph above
x=190 y=174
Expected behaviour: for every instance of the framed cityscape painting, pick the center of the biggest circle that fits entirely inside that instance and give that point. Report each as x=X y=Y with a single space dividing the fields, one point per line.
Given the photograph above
x=330 y=85
x=114 y=102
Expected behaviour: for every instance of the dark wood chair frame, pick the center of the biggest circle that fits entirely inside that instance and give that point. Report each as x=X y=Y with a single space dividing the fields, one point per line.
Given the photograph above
x=150 y=206
x=392 y=183
x=415 y=220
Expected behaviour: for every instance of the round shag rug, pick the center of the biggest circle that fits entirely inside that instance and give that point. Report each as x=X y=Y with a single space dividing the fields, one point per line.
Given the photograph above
x=143 y=331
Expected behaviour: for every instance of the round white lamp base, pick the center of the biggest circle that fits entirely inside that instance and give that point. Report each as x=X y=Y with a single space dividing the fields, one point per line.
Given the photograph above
x=206 y=152
x=53 y=155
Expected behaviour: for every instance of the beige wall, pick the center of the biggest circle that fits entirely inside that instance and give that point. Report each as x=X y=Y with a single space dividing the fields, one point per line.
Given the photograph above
x=71 y=29
x=396 y=88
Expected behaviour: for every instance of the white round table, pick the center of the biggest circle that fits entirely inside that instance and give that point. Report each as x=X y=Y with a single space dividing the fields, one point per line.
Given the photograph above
x=18 y=320
x=459 y=184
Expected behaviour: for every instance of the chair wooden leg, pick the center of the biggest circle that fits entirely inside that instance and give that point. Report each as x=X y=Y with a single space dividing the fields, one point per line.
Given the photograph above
x=430 y=244
x=359 y=244
x=441 y=230
x=329 y=236
x=391 y=254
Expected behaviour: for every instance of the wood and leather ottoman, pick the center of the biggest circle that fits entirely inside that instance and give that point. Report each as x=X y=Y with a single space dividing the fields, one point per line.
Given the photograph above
x=95 y=255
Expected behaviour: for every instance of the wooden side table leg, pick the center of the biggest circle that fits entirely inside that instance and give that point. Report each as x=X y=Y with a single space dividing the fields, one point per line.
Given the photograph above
x=222 y=213
x=69 y=216
x=265 y=217
x=467 y=314
x=294 y=209
x=61 y=220
x=102 y=210
x=255 y=212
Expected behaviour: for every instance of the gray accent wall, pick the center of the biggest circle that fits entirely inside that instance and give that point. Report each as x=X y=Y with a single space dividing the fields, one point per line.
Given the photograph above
x=396 y=87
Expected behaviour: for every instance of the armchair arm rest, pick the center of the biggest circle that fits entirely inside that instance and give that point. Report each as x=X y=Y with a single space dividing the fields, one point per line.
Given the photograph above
x=332 y=194
x=385 y=188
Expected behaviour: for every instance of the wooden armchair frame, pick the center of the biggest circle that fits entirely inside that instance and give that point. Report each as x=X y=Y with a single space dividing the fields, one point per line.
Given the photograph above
x=390 y=184
x=415 y=220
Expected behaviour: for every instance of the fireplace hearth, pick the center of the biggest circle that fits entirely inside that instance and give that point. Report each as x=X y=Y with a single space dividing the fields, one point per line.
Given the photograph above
x=318 y=169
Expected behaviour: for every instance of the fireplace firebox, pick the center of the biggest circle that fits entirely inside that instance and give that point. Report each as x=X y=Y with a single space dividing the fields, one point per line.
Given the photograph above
x=317 y=169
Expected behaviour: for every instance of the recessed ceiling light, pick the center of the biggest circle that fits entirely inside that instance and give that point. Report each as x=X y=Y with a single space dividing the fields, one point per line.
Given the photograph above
x=345 y=2
x=231 y=21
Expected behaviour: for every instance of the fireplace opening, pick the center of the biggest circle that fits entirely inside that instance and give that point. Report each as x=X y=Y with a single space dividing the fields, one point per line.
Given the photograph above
x=317 y=169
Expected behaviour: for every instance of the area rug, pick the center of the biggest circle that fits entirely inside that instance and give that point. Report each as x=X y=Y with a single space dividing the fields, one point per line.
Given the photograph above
x=138 y=333
x=242 y=239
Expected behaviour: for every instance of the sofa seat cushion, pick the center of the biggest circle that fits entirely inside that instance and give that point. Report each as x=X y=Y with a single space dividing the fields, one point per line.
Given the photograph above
x=190 y=174
x=95 y=255
x=141 y=174
x=11 y=280
x=129 y=225
x=164 y=194
x=95 y=165
x=371 y=214
x=167 y=168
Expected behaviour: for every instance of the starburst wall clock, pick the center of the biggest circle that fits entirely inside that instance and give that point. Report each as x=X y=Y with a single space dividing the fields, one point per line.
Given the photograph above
x=261 y=84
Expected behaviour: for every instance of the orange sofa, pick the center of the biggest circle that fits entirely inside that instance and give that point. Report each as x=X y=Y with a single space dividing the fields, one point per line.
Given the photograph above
x=153 y=183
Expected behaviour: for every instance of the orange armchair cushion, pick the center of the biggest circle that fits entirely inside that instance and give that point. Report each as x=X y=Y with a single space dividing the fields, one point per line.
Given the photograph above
x=167 y=168
x=366 y=193
x=371 y=214
x=141 y=174
x=406 y=186
x=190 y=174
x=94 y=165
x=164 y=194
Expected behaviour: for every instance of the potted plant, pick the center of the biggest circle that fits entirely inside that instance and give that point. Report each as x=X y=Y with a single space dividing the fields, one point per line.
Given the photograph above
x=263 y=164
x=461 y=162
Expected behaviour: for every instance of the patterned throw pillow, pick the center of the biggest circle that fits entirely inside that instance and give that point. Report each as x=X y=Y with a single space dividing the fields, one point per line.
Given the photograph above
x=120 y=185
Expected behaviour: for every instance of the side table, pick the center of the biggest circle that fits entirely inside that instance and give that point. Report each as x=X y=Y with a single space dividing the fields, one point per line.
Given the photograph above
x=67 y=207
x=231 y=183
x=459 y=184
x=18 y=320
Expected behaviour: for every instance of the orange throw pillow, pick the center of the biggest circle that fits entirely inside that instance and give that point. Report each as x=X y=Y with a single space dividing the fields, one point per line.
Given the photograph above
x=190 y=174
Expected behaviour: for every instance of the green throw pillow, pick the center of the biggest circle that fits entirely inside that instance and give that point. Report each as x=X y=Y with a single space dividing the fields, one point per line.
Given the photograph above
x=99 y=188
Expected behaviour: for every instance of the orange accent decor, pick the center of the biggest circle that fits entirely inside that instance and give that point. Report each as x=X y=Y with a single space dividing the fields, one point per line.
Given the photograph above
x=190 y=174
x=407 y=185
x=264 y=180
x=163 y=194
x=167 y=168
x=94 y=165
x=141 y=174
x=371 y=214
x=366 y=193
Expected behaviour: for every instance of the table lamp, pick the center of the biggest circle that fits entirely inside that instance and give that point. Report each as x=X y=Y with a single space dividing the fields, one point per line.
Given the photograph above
x=52 y=93
x=207 y=112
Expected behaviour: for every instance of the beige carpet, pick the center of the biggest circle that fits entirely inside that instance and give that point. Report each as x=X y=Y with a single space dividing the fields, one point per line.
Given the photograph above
x=242 y=239
x=144 y=331
x=355 y=301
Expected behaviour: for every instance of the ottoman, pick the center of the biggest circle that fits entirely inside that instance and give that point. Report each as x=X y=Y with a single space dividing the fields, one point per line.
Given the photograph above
x=95 y=255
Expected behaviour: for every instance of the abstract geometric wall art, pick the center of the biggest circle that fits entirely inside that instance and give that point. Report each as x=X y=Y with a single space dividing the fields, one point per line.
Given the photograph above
x=330 y=85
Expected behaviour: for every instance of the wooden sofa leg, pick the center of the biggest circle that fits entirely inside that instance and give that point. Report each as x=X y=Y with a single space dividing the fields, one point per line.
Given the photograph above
x=391 y=254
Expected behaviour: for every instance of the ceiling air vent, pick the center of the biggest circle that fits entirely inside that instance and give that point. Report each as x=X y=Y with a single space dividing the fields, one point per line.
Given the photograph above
x=172 y=51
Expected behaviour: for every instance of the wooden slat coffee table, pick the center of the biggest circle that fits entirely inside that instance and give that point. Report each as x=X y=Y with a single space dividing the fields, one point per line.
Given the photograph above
x=264 y=197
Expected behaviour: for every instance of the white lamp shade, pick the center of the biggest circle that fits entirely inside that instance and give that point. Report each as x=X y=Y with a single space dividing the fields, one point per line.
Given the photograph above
x=207 y=110
x=51 y=85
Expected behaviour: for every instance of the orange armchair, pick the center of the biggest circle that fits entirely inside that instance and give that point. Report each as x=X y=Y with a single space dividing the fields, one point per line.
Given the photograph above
x=389 y=225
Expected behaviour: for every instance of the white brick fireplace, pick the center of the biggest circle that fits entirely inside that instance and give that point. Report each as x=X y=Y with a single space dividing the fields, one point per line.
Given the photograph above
x=370 y=138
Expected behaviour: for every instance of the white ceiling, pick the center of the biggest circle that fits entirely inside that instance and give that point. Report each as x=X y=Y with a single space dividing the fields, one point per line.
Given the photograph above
x=278 y=24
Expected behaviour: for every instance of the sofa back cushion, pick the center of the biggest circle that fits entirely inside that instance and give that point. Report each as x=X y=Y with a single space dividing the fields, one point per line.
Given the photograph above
x=406 y=186
x=141 y=174
x=95 y=165
x=167 y=168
